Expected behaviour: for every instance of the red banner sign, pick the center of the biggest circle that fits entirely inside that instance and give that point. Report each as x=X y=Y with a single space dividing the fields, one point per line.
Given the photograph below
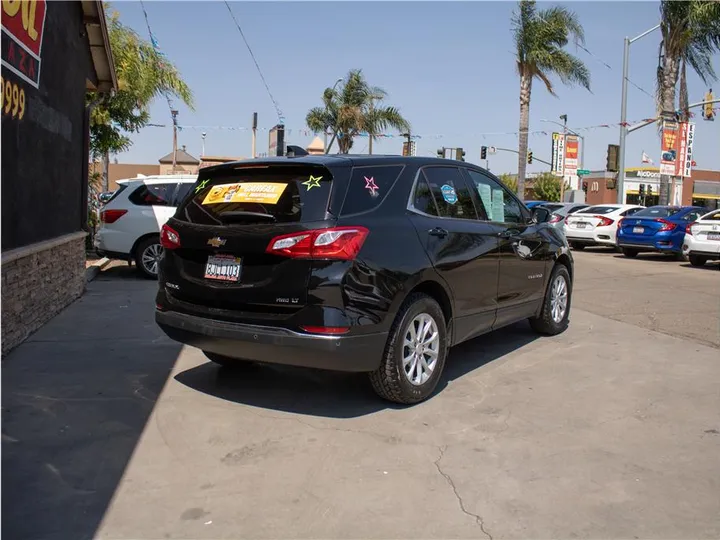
x=669 y=148
x=23 y=23
x=571 y=154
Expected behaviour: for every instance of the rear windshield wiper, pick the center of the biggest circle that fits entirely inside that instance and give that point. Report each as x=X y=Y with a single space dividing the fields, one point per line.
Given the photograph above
x=227 y=217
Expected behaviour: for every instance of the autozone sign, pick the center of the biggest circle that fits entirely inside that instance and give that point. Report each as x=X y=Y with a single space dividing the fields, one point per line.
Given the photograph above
x=23 y=24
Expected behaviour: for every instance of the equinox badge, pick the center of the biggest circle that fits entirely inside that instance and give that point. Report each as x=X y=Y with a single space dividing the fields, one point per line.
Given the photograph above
x=216 y=242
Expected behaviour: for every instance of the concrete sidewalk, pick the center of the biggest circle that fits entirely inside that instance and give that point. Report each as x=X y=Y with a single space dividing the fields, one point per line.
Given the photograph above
x=112 y=431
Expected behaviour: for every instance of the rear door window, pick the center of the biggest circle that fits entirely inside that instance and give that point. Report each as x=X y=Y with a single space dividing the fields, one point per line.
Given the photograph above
x=259 y=194
x=450 y=192
x=368 y=187
x=182 y=191
x=154 y=194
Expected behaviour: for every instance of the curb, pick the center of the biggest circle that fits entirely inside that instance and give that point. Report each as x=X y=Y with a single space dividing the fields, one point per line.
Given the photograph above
x=92 y=271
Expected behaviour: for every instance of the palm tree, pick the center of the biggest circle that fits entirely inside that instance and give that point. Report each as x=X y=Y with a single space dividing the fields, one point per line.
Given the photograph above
x=539 y=39
x=690 y=36
x=353 y=108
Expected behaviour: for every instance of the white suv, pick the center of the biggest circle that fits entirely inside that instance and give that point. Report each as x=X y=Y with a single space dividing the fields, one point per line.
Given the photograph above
x=132 y=218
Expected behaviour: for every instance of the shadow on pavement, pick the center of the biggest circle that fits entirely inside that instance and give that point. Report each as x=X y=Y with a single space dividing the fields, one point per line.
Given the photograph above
x=710 y=265
x=333 y=394
x=76 y=397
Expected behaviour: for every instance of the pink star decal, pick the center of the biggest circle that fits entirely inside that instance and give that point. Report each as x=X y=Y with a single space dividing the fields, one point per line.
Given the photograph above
x=370 y=185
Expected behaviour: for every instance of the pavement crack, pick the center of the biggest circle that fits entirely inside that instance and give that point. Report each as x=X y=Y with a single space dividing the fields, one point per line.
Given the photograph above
x=478 y=519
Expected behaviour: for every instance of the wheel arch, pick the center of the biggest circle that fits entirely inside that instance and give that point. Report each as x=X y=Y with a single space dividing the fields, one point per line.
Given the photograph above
x=141 y=239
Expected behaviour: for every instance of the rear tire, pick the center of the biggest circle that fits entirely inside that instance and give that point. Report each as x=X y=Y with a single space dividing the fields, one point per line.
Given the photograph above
x=576 y=246
x=630 y=253
x=697 y=260
x=413 y=360
x=147 y=257
x=554 y=317
x=227 y=362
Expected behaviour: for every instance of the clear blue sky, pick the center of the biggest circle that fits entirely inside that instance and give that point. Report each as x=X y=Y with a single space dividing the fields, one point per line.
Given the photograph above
x=448 y=66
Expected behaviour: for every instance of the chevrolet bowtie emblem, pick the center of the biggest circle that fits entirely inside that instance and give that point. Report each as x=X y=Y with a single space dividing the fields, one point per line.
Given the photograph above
x=216 y=242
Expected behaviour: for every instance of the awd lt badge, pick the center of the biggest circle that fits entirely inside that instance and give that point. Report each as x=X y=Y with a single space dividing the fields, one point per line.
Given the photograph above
x=216 y=242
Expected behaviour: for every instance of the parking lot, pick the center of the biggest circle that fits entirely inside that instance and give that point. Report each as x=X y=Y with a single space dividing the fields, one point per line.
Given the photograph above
x=610 y=430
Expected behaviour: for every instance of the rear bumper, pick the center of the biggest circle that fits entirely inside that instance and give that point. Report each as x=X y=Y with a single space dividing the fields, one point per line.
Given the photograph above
x=274 y=345
x=649 y=246
x=591 y=239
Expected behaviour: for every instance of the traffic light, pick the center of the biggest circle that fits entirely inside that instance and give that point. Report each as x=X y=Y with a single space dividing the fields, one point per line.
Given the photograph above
x=441 y=152
x=460 y=154
x=708 y=112
x=530 y=157
x=642 y=190
x=612 y=158
x=483 y=152
x=649 y=190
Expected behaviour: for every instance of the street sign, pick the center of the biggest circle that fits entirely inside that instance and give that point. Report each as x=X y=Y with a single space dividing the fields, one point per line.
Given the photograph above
x=492 y=150
x=583 y=172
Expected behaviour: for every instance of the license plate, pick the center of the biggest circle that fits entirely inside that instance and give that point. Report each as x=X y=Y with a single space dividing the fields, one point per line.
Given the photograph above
x=713 y=236
x=580 y=225
x=223 y=268
x=638 y=230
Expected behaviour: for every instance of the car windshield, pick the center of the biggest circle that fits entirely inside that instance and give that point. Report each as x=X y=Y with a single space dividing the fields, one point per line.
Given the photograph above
x=597 y=210
x=657 y=212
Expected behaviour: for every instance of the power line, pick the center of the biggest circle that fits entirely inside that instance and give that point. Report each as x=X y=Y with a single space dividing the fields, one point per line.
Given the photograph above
x=611 y=69
x=280 y=116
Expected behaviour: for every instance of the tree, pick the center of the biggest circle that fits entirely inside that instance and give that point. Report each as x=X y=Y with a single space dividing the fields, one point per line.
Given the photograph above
x=690 y=37
x=547 y=187
x=353 y=108
x=540 y=38
x=143 y=74
x=509 y=181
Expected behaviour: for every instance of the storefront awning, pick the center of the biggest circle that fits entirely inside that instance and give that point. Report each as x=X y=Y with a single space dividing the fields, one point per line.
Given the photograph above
x=703 y=189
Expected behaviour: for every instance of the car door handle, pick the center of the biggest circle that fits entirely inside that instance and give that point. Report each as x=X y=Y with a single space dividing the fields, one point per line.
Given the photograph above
x=438 y=231
x=509 y=233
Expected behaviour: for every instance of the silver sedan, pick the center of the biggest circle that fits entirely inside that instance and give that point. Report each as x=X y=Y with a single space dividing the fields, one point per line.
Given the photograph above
x=559 y=211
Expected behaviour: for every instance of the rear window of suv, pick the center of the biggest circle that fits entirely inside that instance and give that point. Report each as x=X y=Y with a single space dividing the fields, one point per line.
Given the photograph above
x=258 y=194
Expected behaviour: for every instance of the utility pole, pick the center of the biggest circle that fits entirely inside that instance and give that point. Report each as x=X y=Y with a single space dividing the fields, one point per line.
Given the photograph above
x=174 y=114
x=325 y=132
x=254 y=134
x=372 y=102
x=623 y=114
x=203 y=144
x=563 y=117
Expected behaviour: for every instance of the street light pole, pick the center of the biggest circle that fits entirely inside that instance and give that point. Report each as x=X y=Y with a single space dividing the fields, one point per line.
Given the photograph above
x=623 y=114
x=327 y=148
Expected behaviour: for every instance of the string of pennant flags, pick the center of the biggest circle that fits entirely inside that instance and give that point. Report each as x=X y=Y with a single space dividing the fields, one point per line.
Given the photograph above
x=306 y=132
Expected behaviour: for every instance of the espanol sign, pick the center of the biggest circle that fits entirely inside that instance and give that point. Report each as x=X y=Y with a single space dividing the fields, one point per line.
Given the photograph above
x=23 y=22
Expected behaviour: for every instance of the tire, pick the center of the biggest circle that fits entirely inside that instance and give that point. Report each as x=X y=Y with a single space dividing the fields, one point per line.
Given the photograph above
x=545 y=323
x=227 y=362
x=697 y=260
x=147 y=249
x=391 y=381
x=630 y=253
x=576 y=246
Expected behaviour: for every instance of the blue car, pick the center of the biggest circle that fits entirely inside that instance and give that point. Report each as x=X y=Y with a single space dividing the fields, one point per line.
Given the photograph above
x=531 y=204
x=656 y=228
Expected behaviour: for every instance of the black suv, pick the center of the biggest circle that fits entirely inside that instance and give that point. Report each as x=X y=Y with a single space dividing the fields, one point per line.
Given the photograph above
x=372 y=264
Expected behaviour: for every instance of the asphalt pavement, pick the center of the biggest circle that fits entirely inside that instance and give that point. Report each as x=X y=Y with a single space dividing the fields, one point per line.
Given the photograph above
x=610 y=430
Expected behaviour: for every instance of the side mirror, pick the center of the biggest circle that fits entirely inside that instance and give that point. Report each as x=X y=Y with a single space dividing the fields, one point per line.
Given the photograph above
x=540 y=215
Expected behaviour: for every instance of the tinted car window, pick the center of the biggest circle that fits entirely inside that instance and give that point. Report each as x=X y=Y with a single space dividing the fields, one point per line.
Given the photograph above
x=182 y=192
x=450 y=192
x=368 y=187
x=153 y=195
x=497 y=202
x=243 y=195
x=598 y=210
x=423 y=199
x=630 y=212
x=713 y=217
x=657 y=211
x=577 y=208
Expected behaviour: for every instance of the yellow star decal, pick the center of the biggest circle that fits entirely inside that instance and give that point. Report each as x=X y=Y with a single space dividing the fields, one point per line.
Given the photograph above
x=312 y=182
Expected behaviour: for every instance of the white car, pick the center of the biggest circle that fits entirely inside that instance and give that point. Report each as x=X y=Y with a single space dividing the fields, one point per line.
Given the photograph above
x=131 y=220
x=596 y=225
x=702 y=239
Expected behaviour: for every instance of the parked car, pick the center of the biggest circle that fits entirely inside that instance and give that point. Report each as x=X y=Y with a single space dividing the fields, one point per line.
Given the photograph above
x=596 y=225
x=132 y=218
x=374 y=264
x=559 y=211
x=656 y=228
x=702 y=239
x=533 y=204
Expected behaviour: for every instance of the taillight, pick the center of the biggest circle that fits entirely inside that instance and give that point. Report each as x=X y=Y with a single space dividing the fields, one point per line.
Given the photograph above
x=688 y=228
x=342 y=243
x=111 y=216
x=555 y=218
x=326 y=330
x=604 y=222
x=169 y=237
x=666 y=225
